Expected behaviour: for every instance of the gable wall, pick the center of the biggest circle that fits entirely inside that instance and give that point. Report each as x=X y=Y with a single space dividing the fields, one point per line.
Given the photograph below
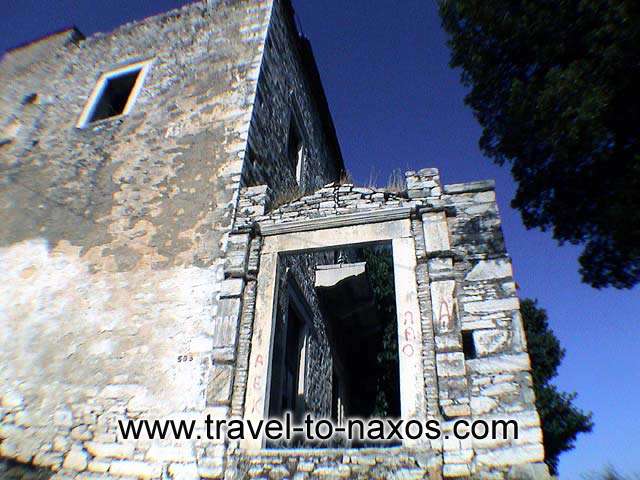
x=113 y=238
x=287 y=88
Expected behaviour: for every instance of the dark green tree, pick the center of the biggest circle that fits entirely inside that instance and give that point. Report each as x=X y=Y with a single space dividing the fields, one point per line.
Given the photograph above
x=554 y=84
x=380 y=271
x=561 y=420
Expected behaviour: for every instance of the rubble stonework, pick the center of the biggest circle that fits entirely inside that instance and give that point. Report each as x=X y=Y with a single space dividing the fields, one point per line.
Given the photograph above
x=134 y=253
x=465 y=282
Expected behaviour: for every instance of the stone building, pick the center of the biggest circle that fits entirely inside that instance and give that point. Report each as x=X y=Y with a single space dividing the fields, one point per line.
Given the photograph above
x=177 y=239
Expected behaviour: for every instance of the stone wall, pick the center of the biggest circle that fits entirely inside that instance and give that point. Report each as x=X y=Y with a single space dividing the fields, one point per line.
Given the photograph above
x=125 y=292
x=465 y=284
x=117 y=282
x=375 y=464
x=122 y=287
x=130 y=258
x=498 y=381
x=10 y=470
x=330 y=201
x=20 y=77
x=288 y=89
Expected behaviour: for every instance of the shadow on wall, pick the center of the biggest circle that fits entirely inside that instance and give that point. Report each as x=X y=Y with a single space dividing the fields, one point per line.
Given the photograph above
x=10 y=470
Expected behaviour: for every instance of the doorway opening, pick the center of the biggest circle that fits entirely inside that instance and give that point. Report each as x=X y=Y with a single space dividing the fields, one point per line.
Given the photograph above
x=335 y=352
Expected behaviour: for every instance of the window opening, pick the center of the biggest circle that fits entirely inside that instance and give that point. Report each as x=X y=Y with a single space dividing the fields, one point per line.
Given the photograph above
x=468 y=345
x=295 y=150
x=114 y=94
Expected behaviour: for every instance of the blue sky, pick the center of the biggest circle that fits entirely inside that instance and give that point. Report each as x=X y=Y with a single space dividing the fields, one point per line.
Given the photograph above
x=397 y=104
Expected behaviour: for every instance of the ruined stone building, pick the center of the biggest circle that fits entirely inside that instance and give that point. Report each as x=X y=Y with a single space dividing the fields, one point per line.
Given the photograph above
x=177 y=239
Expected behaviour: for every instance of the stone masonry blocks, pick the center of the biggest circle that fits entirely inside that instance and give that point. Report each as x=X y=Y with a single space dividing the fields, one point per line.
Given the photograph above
x=131 y=254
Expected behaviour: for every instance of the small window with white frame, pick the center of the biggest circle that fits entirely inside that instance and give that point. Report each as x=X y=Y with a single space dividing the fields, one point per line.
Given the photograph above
x=115 y=93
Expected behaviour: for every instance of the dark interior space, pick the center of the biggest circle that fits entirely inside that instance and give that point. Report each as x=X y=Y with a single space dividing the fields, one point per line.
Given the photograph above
x=352 y=300
x=288 y=342
x=114 y=96
x=358 y=301
x=468 y=345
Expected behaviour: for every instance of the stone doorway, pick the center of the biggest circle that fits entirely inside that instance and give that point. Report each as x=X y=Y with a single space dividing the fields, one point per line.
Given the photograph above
x=398 y=235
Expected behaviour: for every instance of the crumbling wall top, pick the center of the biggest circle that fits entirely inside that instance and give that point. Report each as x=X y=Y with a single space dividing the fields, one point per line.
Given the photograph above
x=422 y=191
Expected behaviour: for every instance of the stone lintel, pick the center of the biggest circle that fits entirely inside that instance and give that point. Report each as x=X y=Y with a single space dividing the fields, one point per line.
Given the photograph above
x=470 y=187
x=322 y=223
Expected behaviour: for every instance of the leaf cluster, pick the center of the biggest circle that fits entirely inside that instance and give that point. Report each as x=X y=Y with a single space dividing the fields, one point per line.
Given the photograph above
x=554 y=84
x=380 y=271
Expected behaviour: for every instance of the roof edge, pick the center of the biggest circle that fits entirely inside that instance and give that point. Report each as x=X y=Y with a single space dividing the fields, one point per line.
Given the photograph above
x=76 y=36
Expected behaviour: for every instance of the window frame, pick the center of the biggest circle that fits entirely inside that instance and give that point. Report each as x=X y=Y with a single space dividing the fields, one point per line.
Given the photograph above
x=94 y=98
x=298 y=304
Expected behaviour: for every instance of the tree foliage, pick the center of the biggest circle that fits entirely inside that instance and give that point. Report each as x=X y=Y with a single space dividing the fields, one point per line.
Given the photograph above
x=380 y=271
x=561 y=420
x=554 y=84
